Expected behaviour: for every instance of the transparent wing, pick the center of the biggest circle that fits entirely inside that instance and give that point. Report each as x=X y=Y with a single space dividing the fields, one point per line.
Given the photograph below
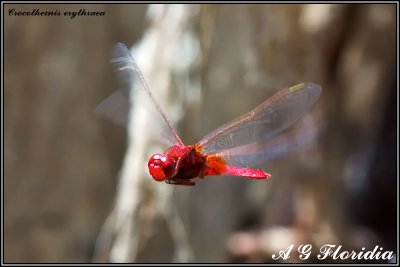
x=243 y=142
x=254 y=153
x=115 y=107
x=118 y=106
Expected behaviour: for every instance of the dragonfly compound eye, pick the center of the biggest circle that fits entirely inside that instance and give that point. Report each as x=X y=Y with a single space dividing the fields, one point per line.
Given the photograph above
x=156 y=167
x=161 y=167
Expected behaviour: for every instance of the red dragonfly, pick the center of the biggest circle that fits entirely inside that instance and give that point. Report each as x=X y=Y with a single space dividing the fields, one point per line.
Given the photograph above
x=230 y=149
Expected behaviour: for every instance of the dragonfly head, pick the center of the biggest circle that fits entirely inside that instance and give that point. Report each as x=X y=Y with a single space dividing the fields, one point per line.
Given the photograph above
x=161 y=167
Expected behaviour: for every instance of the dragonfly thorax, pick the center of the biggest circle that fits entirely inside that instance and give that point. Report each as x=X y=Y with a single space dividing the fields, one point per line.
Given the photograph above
x=161 y=167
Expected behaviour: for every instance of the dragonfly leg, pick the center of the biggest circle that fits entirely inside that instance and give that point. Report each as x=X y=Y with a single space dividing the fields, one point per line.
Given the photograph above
x=177 y=167
x=178 y=181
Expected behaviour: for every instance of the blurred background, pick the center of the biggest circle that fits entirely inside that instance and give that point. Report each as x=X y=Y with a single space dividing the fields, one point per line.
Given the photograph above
x=76 y=187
